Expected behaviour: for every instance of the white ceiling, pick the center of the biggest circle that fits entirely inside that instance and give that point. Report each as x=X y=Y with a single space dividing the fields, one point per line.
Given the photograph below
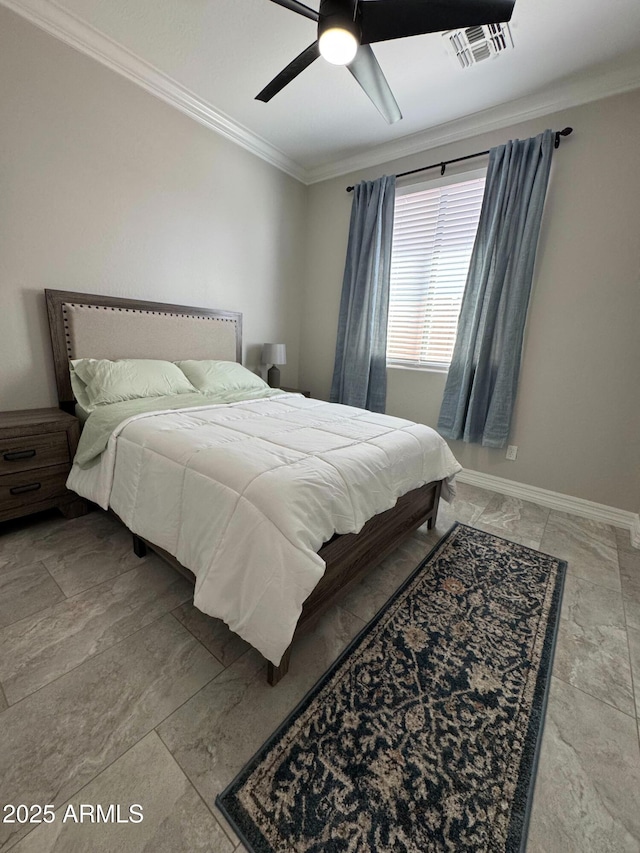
x=211 y=57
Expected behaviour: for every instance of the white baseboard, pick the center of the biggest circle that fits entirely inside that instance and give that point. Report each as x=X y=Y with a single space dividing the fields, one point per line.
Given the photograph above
x=555 y=500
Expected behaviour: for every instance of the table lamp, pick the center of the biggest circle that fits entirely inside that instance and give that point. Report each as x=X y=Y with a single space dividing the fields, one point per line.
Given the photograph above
x=274 y=354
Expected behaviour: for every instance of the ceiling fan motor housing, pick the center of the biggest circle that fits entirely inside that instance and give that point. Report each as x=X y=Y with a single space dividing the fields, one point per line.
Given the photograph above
x=339 y=14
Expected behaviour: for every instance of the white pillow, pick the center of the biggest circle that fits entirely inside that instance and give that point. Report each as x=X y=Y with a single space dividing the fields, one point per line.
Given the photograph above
x=213 y=377
x=129 y=378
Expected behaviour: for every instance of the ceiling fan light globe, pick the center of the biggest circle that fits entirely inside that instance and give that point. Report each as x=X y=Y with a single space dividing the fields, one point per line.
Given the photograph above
x=338 y=46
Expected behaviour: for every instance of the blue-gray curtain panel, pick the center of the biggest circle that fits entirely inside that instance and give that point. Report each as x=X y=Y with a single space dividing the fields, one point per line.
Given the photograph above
x=481 y=386
x=360 y=369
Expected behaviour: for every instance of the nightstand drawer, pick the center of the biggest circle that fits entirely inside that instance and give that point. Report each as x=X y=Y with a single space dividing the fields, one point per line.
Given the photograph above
x=31 y=487
x=33 y=451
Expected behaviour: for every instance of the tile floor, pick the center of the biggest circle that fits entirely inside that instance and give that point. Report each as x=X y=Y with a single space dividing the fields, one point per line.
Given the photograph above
x=115 y=690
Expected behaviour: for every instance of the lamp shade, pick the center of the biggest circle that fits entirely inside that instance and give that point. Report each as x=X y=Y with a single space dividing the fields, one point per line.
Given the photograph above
x=274 y=354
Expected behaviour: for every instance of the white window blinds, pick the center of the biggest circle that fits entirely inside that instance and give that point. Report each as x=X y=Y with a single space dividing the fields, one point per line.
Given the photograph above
x=433 y=236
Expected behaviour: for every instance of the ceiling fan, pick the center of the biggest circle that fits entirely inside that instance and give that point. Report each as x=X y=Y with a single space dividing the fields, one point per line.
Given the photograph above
x=348 y=28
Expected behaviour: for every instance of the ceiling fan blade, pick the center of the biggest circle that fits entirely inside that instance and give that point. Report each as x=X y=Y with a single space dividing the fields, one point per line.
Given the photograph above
x=292 y=70
x=369 y=75
x=382 y=20
x=300 y=8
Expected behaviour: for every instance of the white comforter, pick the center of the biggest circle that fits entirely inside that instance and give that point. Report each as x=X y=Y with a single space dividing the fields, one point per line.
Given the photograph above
x=245 y=494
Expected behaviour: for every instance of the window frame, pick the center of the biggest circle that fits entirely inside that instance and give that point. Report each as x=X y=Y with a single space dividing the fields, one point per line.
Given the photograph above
x=457 y=177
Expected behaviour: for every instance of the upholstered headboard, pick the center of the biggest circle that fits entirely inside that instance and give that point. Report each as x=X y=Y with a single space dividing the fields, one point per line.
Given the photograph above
x=84 y=325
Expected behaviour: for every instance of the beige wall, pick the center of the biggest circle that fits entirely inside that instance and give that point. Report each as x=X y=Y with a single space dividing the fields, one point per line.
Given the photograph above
x=105 y=189
x=577 y=418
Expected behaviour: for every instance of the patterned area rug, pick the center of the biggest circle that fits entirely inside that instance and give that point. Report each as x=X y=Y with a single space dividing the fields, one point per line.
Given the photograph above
x=424 y=735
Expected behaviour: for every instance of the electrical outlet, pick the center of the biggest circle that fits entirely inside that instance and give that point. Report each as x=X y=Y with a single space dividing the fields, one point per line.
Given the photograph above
x=512 y=452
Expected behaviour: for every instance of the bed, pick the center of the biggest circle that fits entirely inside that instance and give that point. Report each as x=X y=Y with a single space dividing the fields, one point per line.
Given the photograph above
x=308 y=569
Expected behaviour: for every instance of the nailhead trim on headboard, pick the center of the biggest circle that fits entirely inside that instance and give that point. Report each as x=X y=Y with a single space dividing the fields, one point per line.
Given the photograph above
x=67 y=333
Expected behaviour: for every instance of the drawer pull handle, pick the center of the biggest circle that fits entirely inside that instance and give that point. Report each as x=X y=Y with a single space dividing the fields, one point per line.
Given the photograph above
x=18 y=454
x=20 y=490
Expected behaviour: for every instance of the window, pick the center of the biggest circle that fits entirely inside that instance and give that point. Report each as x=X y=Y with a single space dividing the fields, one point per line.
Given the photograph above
x=433 y=235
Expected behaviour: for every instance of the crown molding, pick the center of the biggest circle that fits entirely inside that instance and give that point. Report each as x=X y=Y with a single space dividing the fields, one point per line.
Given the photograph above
x=572 y=93
x=70 y=29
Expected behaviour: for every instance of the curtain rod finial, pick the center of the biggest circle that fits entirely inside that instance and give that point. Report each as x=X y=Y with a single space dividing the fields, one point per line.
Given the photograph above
x=566 y=131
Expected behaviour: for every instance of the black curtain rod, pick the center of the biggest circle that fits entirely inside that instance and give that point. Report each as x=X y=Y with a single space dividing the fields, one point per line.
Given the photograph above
x=444 y=163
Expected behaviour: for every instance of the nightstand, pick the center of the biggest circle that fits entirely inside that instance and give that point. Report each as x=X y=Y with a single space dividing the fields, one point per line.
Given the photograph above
x=37 y=447
x=296 y=391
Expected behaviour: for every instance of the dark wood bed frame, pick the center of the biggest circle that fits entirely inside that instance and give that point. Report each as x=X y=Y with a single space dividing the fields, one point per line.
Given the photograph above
x=348 y=557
